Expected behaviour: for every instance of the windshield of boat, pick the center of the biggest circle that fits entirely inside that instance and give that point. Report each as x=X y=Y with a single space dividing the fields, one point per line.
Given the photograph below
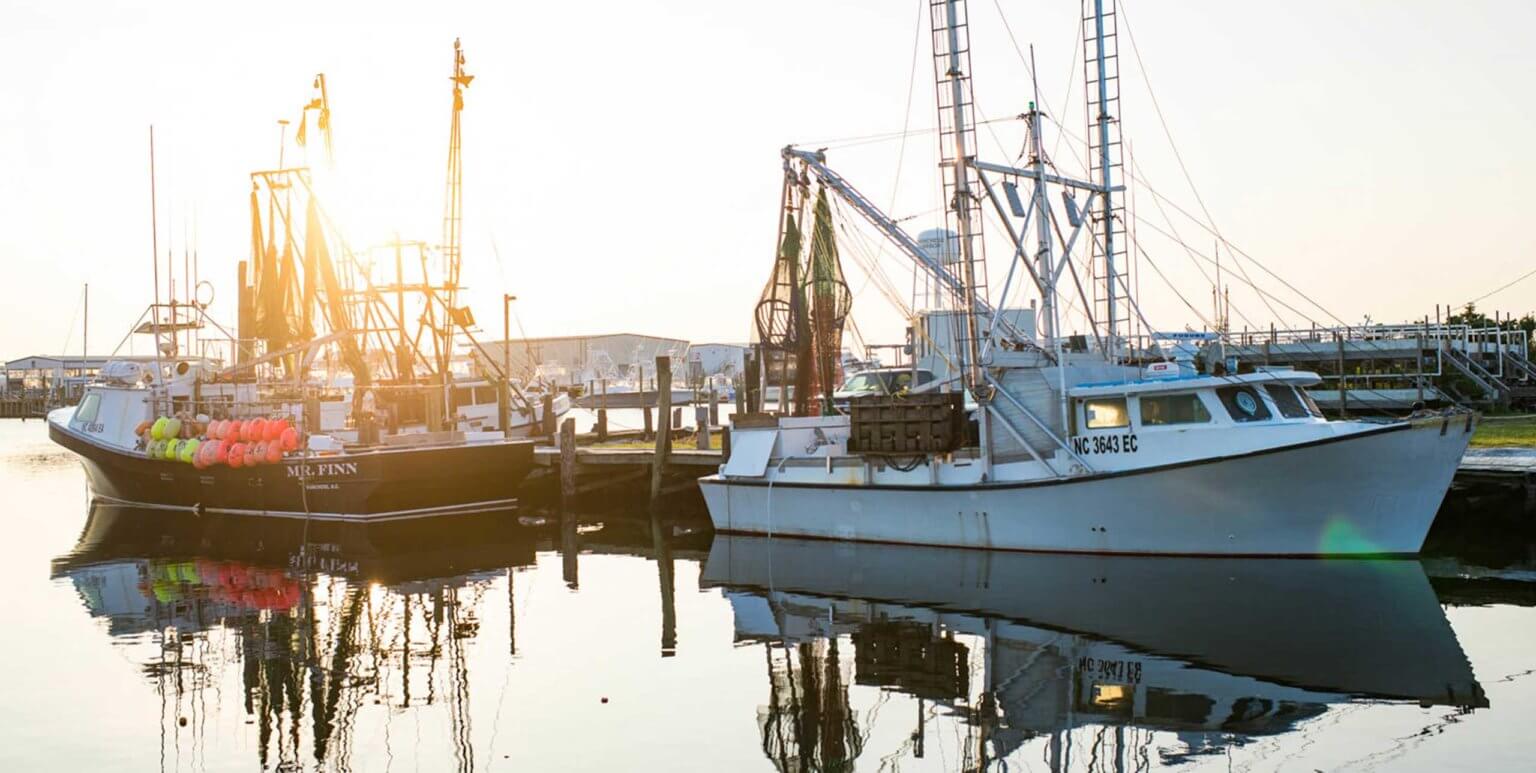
x=887 y=382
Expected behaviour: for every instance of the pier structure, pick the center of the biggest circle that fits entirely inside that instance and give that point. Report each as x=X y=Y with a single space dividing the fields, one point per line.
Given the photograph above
x=35 y=384
x=1383 y=368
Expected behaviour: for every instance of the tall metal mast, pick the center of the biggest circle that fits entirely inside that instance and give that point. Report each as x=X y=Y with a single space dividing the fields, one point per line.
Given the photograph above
x=957 y=133
x=1101 y=60
x=453 y=211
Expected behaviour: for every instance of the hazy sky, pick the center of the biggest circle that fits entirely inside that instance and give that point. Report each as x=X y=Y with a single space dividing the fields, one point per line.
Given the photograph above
x=624 y=155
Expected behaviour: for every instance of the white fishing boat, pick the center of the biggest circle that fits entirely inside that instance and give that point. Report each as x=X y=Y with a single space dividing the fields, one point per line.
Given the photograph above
x=1111 y=443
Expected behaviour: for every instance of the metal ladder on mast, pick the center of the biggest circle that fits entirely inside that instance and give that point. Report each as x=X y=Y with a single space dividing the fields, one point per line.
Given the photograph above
x=1106 y=224
x=951 y=68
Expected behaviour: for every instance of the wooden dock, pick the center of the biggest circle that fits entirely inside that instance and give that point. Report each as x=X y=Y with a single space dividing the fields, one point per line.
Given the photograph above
x=14 y=406
x=602 y=459
x=549 y=456
x=1509 y=468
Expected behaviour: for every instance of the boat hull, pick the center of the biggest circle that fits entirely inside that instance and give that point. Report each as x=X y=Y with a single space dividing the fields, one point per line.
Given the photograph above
x=1375 y=492
x=374 y=485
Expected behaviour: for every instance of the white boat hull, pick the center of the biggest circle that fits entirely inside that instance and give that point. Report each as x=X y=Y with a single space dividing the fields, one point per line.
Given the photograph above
x=1370 y=493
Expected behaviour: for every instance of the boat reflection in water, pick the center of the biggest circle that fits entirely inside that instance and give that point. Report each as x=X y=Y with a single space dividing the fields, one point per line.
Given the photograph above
x=327 y=617
x=351 y=646
x=1025 y=646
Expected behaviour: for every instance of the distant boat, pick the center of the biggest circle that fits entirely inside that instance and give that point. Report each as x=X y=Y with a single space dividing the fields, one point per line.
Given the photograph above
x=1106 y=443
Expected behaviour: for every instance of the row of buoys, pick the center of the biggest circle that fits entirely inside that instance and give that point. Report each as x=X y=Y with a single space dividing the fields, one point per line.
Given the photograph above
x=169 y=427
x=231 y=442
x=232 y=582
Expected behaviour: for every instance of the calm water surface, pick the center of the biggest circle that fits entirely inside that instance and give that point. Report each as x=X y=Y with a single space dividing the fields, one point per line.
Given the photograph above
x=143 y=640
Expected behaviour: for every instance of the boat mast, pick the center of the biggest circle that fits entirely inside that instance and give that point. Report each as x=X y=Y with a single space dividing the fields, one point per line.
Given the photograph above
x=453 y=212
x=1044 y=257
x=955 y=112
x=1103 y=96
x=951 y=42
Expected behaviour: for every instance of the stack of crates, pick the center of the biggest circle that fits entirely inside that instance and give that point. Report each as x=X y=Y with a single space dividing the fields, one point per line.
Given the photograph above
x=915 y=424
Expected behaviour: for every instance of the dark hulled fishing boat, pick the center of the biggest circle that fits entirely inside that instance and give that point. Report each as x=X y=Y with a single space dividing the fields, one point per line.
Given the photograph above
x=362 y=483
x=340 y=400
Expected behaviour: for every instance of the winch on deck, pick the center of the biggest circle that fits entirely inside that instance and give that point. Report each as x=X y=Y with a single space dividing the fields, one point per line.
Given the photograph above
x=913 y=424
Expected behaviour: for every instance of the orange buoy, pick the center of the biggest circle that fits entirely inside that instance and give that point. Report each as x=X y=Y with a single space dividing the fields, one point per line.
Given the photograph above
x=290 y=439
x=274 y=452
x=232 y=432
x=236 y=456
x=143 y=427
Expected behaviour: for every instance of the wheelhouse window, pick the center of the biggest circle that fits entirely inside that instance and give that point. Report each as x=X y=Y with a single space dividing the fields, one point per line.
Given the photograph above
x=86 y=412
x=1243 y=403
x=462 y=396
x=1105 y=413
x=1312 y=406
x=1286 y=400
x=1162 y=410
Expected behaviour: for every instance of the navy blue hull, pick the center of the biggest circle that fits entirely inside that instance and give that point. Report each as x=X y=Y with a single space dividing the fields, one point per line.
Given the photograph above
x=392 y=483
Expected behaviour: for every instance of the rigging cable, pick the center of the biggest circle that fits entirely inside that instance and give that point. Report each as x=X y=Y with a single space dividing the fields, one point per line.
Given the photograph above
x=1157 y=108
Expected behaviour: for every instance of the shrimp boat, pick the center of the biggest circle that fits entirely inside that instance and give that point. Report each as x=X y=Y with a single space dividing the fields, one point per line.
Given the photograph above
x=1039 y=440
x=340 y=402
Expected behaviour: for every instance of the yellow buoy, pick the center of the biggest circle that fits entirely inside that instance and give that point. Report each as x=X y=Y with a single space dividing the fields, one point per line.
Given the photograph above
x=157 y=430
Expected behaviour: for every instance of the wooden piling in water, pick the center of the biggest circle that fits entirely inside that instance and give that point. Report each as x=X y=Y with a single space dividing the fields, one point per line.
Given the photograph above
x=549 y=415
x=602 y=411
x=649 y=428
x=567 y=463
x=663 y=421
x=714 y=408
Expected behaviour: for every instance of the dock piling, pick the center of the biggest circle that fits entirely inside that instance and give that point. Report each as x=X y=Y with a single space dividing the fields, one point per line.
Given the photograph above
x=567 y=463
x=663 y=421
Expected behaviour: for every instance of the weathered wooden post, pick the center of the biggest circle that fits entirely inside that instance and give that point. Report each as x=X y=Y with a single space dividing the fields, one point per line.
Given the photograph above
x=663 y=422
x=701 y=427
x=1343 y=387
x=645 y=410
x=714 y=408
x=725 y=445
x=1418 y=368
x=567 y=463
x=549 y=415
x=602 y=411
